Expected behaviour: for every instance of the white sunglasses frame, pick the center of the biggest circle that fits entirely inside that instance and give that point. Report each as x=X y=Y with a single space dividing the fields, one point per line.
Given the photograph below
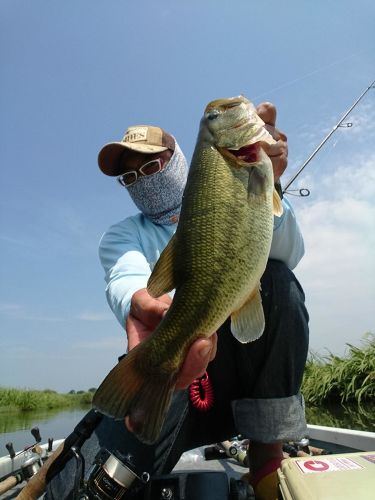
x=160 y=162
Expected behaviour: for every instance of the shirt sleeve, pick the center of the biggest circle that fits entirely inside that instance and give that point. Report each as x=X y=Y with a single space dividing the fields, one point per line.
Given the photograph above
x=126 y=267
x=287 y=242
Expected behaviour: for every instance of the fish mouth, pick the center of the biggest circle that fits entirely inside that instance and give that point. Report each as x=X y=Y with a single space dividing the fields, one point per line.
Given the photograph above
x=248 y=154
x=243 y=123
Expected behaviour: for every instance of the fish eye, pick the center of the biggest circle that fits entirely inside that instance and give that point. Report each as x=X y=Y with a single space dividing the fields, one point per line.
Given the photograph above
x=212 y=115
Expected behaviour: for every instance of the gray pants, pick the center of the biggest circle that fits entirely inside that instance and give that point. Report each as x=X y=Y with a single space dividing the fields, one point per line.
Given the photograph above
x=256 y=389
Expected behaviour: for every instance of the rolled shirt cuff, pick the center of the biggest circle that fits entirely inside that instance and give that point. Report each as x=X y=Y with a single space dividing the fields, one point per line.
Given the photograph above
x=271 y=420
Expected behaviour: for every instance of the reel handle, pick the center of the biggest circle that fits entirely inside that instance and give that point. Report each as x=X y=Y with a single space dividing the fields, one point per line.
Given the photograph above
x=36 y=434
x=9 y=447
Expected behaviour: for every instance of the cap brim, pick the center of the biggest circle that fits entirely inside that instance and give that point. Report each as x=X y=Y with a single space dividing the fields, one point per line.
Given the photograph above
x=110 y=155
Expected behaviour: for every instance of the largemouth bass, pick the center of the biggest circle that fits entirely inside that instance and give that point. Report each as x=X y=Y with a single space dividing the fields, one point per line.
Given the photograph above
x=214 y=262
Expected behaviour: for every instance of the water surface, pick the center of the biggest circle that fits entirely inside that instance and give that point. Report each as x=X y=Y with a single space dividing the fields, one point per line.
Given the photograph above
x=15 y=426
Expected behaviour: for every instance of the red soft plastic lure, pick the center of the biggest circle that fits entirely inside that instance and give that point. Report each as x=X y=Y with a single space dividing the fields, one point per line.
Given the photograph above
x=201 y=393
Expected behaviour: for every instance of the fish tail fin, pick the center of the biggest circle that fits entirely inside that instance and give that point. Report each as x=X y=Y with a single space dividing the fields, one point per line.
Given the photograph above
x=145 y=400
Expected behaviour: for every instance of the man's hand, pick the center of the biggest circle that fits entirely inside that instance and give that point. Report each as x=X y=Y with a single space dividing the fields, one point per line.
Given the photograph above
x=278 y=152
x=146 y=313
x=201 y=352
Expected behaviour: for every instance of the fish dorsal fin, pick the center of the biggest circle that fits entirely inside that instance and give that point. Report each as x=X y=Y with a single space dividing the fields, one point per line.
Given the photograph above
x=247 y=323
x=277 y=204
x=161 y=280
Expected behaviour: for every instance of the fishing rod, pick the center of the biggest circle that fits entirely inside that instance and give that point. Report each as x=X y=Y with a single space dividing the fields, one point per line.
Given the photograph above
x=304 y=191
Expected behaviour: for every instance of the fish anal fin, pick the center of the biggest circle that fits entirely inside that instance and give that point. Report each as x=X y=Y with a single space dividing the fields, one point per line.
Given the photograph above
x=161 y=280
x=247 y=323
x=145 y=400
x=277 y=204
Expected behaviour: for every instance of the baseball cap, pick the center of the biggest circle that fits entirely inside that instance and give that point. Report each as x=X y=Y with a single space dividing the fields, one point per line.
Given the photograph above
x=145 y=139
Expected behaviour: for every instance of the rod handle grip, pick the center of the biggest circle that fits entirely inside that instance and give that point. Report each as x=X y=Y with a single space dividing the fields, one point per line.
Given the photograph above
x=9 y=483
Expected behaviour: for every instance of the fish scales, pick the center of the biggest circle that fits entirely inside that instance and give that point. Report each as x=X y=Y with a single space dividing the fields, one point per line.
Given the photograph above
x=206 y=285
x=214 y=262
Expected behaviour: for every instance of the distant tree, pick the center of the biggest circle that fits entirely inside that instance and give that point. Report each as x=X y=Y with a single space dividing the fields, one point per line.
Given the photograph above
x=80 y=392
x=92 y=389
x=72 y=391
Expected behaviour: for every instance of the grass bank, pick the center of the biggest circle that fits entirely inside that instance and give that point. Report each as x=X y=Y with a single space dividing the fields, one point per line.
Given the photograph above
x=27 y=400
x=345 y=380
x=327 y=380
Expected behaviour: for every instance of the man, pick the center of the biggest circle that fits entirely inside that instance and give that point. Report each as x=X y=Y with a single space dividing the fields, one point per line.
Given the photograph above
x=256 y=385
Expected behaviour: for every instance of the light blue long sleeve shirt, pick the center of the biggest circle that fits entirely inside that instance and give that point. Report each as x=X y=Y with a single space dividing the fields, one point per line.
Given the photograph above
x=129 y=250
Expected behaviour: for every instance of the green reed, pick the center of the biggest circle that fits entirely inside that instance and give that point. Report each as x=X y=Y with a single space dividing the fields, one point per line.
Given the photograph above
x=27 y=400
x=327 y=380
x=348 y=379
x=348 y=416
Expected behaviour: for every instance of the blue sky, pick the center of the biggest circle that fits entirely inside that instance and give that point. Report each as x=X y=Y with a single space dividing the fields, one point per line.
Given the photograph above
x=76 y=73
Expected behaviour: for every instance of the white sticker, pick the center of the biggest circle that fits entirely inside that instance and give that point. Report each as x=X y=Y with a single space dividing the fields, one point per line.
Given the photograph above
x=327 y=465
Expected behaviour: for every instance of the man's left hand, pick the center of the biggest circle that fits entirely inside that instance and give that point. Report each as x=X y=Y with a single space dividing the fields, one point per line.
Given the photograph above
x=199 y=355
x=278 y=152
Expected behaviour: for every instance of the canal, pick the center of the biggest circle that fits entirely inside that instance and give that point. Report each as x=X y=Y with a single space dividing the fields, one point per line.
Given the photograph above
x=15 y=426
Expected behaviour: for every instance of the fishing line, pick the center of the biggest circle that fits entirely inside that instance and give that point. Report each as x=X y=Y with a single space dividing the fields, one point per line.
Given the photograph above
x=338 y=125
x=311 y=73
x=304 y=191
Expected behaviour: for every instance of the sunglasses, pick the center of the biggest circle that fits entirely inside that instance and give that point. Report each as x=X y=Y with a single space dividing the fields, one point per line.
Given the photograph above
x=150 y=168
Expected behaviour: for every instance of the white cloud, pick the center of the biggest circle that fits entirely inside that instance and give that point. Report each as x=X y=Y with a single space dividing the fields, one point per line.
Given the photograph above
x=362 y=119
x=338 y=270
x=115 y=343
x=20 y=311
x=348 y=146
x=8 y=240
x=95 y=316
x=6 y=307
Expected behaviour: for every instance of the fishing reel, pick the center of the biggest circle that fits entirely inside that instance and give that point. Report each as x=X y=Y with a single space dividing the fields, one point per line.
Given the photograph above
x=111 y=477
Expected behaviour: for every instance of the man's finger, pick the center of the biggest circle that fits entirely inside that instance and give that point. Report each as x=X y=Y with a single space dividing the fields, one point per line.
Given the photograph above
x=147 y=309
x=200 y=354
x=267 y=112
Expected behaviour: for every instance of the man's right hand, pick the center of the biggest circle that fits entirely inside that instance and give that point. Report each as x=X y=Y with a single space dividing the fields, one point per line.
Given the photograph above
x=145 y=314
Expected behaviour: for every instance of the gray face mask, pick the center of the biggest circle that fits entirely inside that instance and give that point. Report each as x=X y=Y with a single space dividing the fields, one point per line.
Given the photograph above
x=159 y=196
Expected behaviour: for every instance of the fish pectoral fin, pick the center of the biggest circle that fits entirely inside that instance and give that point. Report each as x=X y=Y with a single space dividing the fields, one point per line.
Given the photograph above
x=161 y=280
x=247 y=323
x=256 y=182
x=145 y=400
x=277 y=204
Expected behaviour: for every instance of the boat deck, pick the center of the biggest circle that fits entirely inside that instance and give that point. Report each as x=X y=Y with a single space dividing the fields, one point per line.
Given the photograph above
x=331 y=439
